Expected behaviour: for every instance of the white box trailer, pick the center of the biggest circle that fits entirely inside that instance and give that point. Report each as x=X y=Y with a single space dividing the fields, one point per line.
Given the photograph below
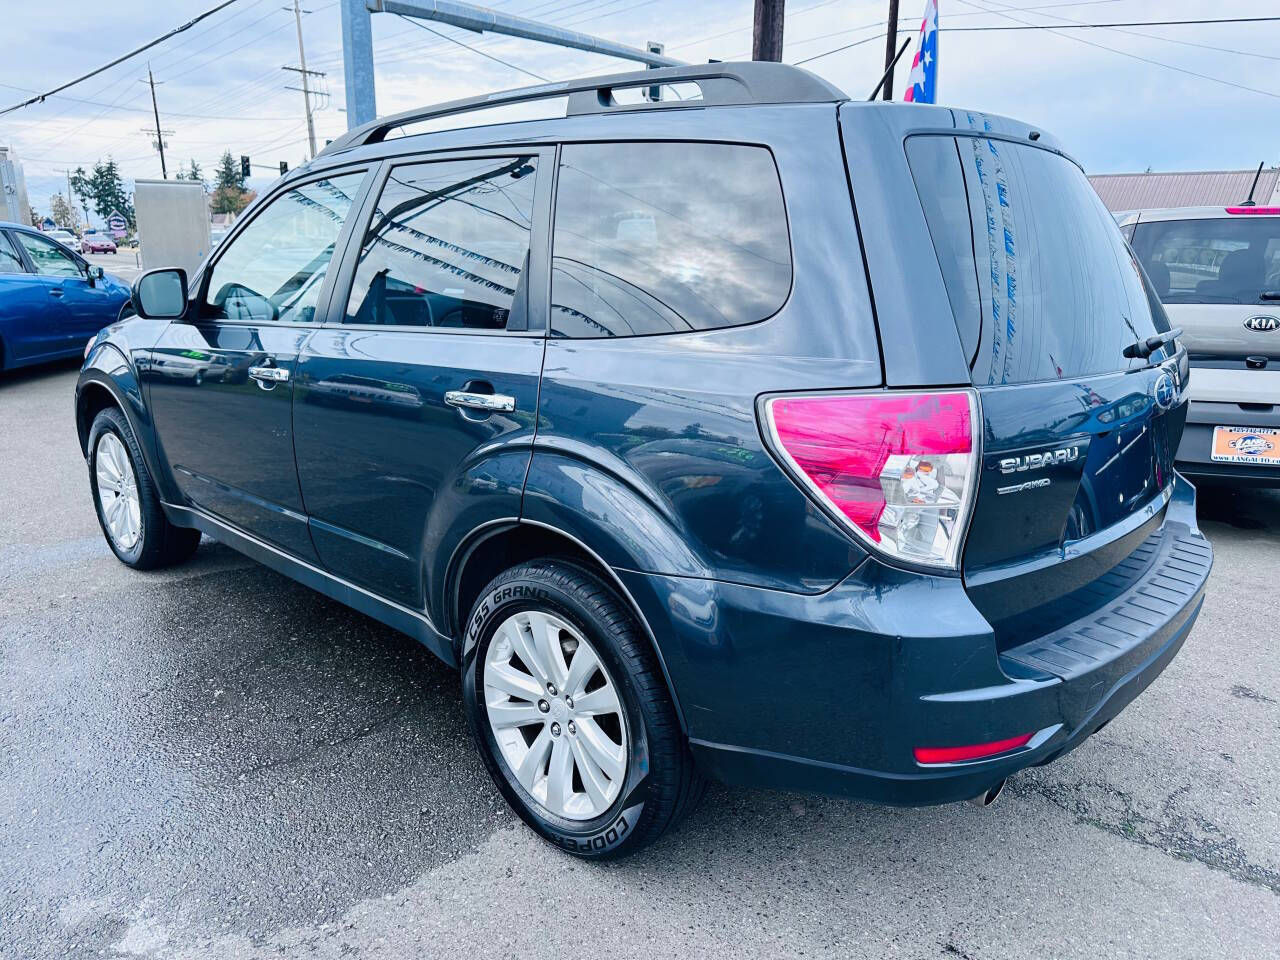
x=14 y=205
x=173 y=223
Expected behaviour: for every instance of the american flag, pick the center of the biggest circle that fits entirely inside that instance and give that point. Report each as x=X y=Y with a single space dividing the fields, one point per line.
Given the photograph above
x=922 y=84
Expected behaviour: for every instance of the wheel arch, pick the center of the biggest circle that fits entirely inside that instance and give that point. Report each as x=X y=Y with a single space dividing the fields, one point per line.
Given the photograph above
x=108 y=379
x=503 y=545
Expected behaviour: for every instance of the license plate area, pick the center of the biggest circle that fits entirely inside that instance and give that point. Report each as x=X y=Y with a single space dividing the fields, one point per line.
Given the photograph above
x=1252 y=445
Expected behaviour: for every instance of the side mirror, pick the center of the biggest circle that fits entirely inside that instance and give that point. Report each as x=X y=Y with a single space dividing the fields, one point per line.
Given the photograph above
x=161 y=294
x=95 y=273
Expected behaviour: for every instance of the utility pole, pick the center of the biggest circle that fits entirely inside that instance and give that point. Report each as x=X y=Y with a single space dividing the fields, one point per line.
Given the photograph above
x=890 y=49
x=306 y=91
x=766 y=38
x=156 y=111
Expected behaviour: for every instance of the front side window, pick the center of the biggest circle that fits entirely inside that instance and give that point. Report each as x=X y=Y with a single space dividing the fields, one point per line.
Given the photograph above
x=666 y=237
x=49 y=259
x=1214 y=260
x=10 y=262
x=274 y=269
x=448 y=246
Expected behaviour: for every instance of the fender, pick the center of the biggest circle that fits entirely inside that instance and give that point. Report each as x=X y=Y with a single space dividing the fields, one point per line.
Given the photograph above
x=607 y=508
x=108 y=368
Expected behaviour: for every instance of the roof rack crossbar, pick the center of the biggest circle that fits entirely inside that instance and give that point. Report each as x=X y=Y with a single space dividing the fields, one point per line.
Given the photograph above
x=720 y=84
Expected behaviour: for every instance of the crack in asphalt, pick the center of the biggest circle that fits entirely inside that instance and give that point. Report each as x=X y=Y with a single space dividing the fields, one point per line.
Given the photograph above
x=1182 y=836
x=320 y=748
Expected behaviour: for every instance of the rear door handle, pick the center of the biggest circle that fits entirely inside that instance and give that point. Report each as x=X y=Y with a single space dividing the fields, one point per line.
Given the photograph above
x=489 y=402
x=55 y=291
x=271 y=375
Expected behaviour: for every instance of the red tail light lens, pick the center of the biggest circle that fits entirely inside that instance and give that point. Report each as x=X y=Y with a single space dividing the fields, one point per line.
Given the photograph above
x=899 y=469
x=1255 y=211
x=973 y=751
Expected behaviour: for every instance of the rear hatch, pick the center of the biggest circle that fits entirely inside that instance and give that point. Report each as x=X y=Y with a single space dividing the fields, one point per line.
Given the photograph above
x=1077 y=440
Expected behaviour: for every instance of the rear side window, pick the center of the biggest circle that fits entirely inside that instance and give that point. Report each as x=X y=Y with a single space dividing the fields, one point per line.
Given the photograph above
x=1221 y=260
x=10 y=262
x=1040 y=280
x=666 y=237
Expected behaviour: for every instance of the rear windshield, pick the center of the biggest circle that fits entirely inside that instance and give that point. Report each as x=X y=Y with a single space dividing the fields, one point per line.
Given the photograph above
x=1227 y=260
x=1039 y=278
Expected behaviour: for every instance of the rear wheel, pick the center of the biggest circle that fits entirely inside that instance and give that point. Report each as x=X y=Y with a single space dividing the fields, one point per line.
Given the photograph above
x=572 y=714
x=127 y=502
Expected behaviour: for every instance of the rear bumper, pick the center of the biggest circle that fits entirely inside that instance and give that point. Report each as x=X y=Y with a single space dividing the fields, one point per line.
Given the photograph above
x=1194 y=459
x=832 y=693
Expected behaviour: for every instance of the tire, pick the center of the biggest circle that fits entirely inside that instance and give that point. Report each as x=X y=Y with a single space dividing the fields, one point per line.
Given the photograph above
x=609 y=817
x=142 y=537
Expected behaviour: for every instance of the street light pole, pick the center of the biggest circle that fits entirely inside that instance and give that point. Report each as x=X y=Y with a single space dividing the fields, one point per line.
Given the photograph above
x=306 y=91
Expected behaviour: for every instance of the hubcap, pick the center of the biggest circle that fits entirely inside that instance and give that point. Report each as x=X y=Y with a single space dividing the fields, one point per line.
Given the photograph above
x=555 y=714
x=118 y=492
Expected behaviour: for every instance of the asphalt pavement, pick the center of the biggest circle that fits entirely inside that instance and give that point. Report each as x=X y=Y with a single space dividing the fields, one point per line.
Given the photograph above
x=124 y=263
x=214 y=762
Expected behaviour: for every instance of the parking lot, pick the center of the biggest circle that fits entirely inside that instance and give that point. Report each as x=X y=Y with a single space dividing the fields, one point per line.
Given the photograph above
x=214 y=761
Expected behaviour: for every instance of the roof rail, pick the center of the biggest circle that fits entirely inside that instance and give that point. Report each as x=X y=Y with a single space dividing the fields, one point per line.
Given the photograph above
x=720 y=84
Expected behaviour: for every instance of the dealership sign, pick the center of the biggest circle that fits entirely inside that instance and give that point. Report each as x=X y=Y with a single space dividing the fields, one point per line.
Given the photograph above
x=117 y=225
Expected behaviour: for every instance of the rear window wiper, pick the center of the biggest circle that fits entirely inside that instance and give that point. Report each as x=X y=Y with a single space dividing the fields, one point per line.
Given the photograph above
x=1149 y=345
x=1269 y=295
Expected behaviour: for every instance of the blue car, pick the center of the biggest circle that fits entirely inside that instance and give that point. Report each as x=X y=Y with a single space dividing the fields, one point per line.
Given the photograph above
x=764 y=436
x=52 y=300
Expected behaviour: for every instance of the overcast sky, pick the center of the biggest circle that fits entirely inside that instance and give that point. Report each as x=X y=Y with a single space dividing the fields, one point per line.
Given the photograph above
x=1168 y=98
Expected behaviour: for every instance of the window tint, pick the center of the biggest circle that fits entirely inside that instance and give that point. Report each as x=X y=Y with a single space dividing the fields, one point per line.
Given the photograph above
x=1226 y=260
x=1038 y=275
x=666 y=237
x=275 y=268
x=448 y=246
x=49 y=259
x=10 y=261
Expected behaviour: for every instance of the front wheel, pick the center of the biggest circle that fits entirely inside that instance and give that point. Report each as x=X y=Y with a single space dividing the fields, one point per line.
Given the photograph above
x=572 y=714
x=126 y=500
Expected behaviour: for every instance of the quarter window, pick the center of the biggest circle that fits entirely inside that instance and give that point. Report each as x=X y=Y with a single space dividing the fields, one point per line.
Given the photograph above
x=274 y=269
x=49 y=259
x=10 y=262
x=448 y=246
x=666 y=237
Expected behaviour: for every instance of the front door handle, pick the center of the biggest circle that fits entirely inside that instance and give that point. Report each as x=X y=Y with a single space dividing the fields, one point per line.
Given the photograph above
x=55 y=291
x=488 y=402
x=268 y=377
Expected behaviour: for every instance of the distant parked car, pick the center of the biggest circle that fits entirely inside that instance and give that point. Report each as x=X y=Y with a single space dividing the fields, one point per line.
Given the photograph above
x=98 y=244
x=66 y=238
x=51 y=300
x=1217 y=271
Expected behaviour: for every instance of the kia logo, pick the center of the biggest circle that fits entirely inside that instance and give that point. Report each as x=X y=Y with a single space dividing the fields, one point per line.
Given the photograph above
x=1263 y=324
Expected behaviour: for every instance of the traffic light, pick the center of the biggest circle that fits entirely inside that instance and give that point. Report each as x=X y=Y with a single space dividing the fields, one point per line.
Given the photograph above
x=244 y=168
x=284 y=167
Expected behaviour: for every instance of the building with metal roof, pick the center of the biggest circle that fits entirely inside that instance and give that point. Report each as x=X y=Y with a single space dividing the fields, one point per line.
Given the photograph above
x=1142 y=191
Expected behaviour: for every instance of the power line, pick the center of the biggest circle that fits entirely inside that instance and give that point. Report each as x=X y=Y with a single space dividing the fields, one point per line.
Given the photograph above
x=146 y=46
x=489 y=56
x=1076 y=25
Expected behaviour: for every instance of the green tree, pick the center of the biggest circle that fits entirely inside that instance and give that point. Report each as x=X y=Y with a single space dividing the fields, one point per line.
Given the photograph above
x=64 y=215
x=105 y=189
x=193 y=172
x=228 y=187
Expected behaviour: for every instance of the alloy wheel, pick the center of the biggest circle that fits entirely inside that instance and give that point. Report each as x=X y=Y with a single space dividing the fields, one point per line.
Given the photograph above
x=556 y=715
x=118 y=492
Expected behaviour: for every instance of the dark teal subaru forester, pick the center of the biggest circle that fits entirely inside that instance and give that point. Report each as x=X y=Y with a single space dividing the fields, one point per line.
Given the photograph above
x=760 y=435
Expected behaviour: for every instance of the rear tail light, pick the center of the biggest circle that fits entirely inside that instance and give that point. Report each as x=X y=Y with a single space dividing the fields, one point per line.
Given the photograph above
x=1254 y=211
x=897 y=469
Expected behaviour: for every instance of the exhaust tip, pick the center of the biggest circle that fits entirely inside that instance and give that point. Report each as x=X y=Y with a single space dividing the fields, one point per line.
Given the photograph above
x=988 y=796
